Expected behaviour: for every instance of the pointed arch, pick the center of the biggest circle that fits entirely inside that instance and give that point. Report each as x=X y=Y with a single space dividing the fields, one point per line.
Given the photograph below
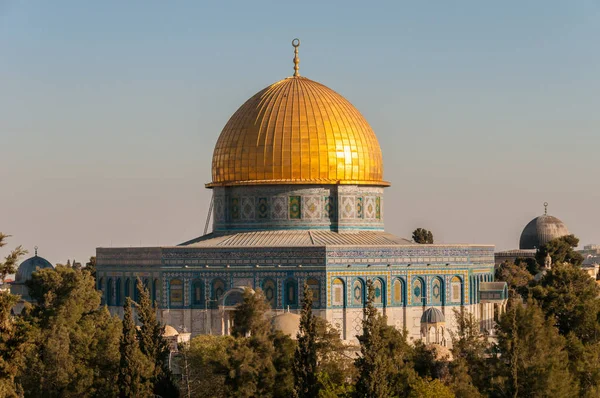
x=270 y=290
x=419 y=295
x=437 y=291
x=291 y=293
x=197 y=292
x=358 y=292
x=119 y=293
x=338 y=298
x=175 y=293
x=315 y=288
x=109 y=292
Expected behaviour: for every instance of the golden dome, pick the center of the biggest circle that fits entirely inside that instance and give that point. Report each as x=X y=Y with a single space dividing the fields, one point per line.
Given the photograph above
x=297 y=131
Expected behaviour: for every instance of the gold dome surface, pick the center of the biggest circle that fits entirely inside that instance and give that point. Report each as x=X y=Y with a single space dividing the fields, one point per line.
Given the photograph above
x=297 y=131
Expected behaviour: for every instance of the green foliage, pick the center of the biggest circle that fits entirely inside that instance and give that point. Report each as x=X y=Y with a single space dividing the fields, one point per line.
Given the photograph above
x=429 y=388
x=561 y=250
x=516 y=276
x=383 y=349
x=305 y=357
x=570 y=297
x=74 y=343
x=90 y=266
x=135 y=369
x=152 y=343
x=249 y=317
x=14 y=343
x=533 y=359
x=9 y=265
x=422 y=236
x=335 y=366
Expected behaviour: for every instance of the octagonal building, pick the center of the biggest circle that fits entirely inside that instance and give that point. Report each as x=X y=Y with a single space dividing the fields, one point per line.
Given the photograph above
x=298 y=197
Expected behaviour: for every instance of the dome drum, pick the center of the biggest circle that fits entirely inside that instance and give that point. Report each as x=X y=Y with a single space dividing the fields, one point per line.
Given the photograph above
x=277 y=207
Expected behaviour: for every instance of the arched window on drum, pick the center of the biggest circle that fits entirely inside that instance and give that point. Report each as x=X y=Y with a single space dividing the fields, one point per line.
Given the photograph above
x=109 y=292
x=358 y=292
x=218 y=289
x=456 y=290
x=338 y=298
x=418 y=292
x=270 y=292
x=313 y=285
x=128 y=288
x=291 y=293
x=437 y=292
x=197 y=292
x=119 y=299
x=398 y=292
x=176 y=293
x=378 y=291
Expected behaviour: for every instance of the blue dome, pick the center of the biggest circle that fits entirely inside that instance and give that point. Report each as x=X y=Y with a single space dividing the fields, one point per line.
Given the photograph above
x=29 y=266
x=432 y=315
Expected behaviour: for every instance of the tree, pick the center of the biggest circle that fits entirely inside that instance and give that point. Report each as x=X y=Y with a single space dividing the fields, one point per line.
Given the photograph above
x=9 y=265
x=569 y=296
x=335 y=368
x=153 y=344
x=375 y=365
x=135 y=370
x=305 y=357
x=469 y=370
x=75 y=343
x=90 y=266
x=428 y=388
x=516 y=276
x=422 y=236
x=561 y=250
x=532 y=359
x=249 y=317
x=14 y=343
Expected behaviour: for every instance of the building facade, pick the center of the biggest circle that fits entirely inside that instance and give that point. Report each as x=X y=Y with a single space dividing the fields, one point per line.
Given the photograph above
x=298 y=197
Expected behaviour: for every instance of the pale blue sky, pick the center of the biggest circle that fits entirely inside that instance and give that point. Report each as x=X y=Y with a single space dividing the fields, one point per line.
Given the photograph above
x=109 y=111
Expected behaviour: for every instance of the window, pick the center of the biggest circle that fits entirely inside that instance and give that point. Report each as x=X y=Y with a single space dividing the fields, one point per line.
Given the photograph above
x=418 y=292
x=313 y=285
x=176 y=294
x=378 y=291
x=119 y=300
x=218 y=289
x=197 y=298
x=290 y=292
x=338 y=292
x=109 y=292
x=357 y=293
x=437 y=292
x=155 y=287
x=456 y=290
x=127 y=288
x=398 y=294
x=270 y=292
x=101 y=288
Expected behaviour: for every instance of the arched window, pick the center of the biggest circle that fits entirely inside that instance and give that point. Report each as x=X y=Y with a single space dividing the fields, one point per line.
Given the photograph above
x=101 y=288
x=338 y=297
x=127 y=288
x=270 y=292
x=119 y=299
x=218 y=289
x=437 y=292
x=109 y=292
x=357 y=293
x=418 y=292
x=176 y=293
x=456 y=290
x=290 y=292
x=398 y=292
x=197 y=292
x=136 y=291
x=378 y=291
x=313 y=285
x=155 y=287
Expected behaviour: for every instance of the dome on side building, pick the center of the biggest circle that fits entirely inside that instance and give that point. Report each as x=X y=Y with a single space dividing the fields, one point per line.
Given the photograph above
x=29 y=266
x=432 y=315
x=287 y=323
x=541 y=230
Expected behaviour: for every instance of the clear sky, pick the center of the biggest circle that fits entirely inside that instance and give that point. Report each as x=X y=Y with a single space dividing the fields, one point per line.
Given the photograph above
x=109 y=111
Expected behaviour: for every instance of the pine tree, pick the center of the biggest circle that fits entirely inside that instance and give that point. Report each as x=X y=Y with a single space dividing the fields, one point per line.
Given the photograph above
x=533 y=359
x=422 y=236
x=9 y=265
x=134 y=368
x=375 y=365
x=153 y=344
x=249 y=317
x=305 y=357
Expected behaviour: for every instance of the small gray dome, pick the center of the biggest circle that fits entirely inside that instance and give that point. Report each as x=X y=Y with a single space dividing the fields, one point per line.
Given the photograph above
x=287 y=323
x=432 y=315
x=29 y=266
x=540 y=231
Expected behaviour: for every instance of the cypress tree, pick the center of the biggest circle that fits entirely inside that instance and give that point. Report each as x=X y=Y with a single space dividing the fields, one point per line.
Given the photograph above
x=305 y=357
x=134 y=369
x=152 y=343
x=375 y=365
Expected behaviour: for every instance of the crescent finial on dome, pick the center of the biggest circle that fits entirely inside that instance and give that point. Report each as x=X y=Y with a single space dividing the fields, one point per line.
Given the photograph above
x=296 y=44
